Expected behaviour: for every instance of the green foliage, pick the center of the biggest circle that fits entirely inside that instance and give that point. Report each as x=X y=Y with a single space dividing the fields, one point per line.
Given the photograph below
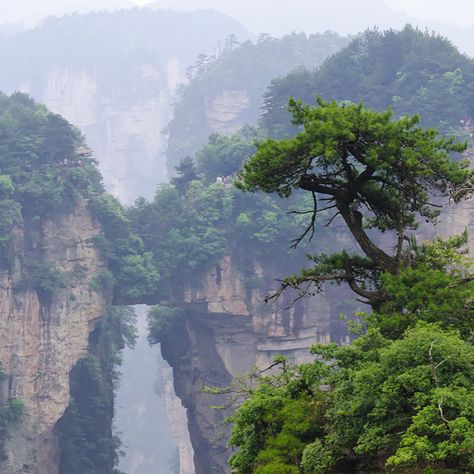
x=411 y=71
x=131 y=271
x=33 y=145
x=403 y=161
x=86 y=441
x=6 y=186
x=437 y=288
x=10 y=416
x=103 y=281
x=398 y=399
x=186 y=173
x=188 y=232
x=43 y=176
x=223 y=155
x=11 y=413
x=375 y=172
x=402 y=403
x=46 y=277
x=34 y=182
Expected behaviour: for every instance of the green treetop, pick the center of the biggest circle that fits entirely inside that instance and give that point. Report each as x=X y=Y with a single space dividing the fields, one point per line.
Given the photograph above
x=375 y=406
x=372 y=171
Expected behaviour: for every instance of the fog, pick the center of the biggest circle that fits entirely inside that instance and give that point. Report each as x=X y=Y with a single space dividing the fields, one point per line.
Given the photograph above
x=454 y=19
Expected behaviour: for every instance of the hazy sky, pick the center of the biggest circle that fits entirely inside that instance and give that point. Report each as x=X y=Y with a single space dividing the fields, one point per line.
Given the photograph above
x=453 y=11
x=282 y=16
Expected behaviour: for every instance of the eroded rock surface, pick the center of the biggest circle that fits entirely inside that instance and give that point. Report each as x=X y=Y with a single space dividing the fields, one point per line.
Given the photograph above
x=43 y=336
x=228 y=330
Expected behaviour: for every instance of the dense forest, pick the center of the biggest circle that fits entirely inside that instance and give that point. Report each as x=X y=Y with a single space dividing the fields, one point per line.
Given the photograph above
x=410 y=71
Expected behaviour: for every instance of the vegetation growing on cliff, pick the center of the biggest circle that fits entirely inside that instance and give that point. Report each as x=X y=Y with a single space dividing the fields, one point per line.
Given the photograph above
x=201 y=217
x=11 y=411
x=86 y=441
x=399 y=405
x=246 y=70
x=353 y=73
x=372 y=172
x=45 y=169
x=400 y=397
x=130 y=271
x=35 y=181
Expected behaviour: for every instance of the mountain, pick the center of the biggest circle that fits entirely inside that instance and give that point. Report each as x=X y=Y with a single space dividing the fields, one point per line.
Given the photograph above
x=114 y=75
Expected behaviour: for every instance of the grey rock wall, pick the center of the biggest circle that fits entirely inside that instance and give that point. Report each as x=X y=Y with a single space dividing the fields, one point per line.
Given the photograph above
x=40 y=341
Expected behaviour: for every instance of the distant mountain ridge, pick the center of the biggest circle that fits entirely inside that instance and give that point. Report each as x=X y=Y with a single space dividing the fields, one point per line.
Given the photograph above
x=114 y=75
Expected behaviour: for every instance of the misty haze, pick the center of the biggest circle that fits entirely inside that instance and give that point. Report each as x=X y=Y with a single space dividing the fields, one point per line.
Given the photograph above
x=236 y=237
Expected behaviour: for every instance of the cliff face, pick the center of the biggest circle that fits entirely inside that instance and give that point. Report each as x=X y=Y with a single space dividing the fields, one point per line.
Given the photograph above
x=227 y=331
x=122 y=121
x=224 y=111
x=42 y=339
x=457 y=217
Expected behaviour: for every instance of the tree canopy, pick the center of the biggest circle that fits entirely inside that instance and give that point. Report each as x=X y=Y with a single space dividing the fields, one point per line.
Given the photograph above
x=410 y=70
x=372 y=171
x=377 y=405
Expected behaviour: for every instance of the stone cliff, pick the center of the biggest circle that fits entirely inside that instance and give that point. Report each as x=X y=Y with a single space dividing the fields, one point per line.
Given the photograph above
x=457 y=217
x=122 y=122
x=226 y=331
x=42 y=338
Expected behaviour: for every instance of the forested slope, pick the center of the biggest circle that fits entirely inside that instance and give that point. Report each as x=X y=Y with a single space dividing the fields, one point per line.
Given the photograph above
x=226 y=93
x=411 y=71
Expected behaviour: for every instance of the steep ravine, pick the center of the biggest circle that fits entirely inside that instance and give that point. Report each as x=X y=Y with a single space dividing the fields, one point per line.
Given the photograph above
x=42 y=339
x=149 y=416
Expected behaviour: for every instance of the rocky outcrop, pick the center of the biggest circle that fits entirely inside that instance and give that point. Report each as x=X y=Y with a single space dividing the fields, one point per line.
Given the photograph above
x=224 y=110
x=42 y=338
x=228 y=330
x=457 y=217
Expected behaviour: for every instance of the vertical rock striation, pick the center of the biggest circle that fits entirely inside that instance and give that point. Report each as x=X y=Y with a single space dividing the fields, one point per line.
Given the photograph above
x=227 y=331
x=41 y=339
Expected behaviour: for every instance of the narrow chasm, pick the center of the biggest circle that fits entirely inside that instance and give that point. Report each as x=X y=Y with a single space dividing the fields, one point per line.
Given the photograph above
x=150 y=419
x=124 y=416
